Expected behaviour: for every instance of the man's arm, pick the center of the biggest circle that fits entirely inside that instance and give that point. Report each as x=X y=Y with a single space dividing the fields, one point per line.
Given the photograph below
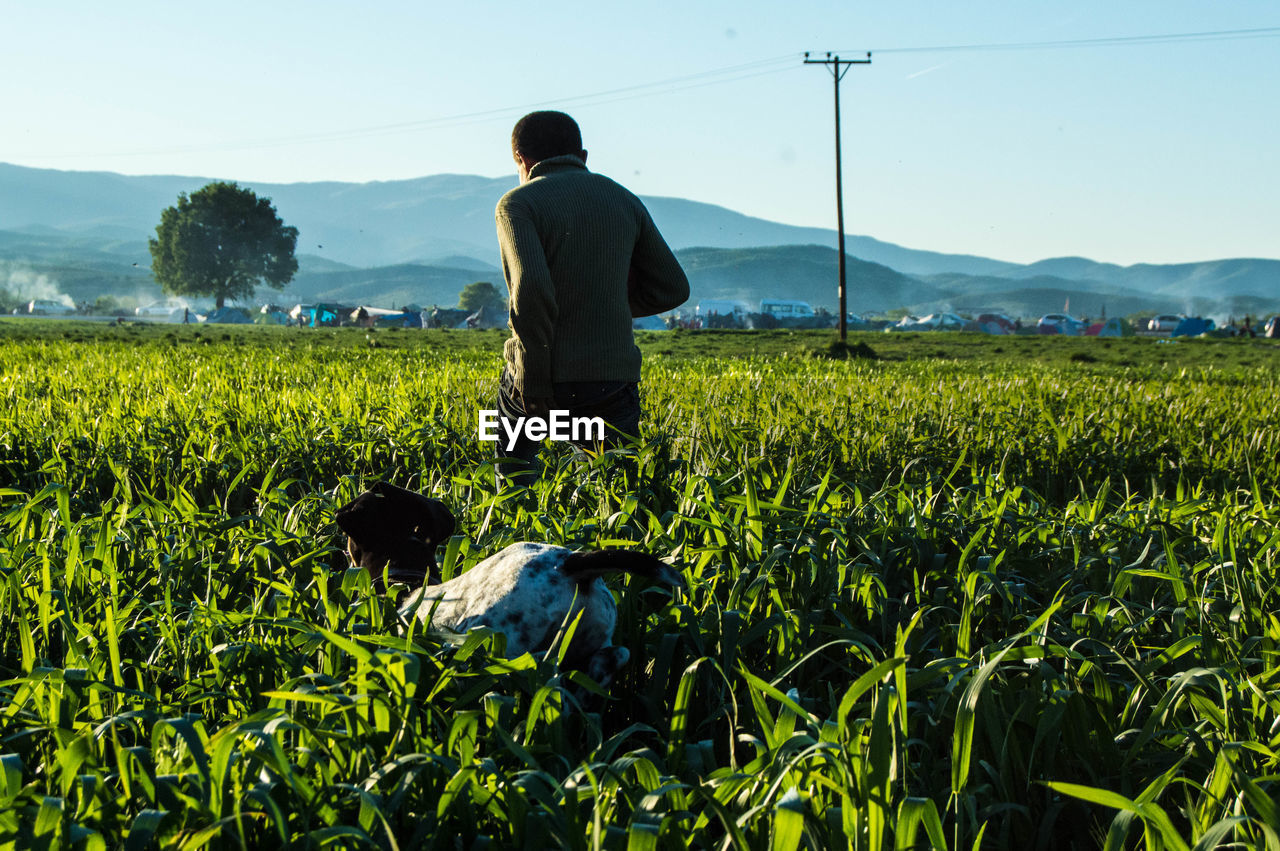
x=533 y=302
x=656 y=281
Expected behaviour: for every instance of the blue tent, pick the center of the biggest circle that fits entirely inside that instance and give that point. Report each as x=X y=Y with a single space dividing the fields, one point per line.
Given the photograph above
x=228 y=316
x=1193 y=326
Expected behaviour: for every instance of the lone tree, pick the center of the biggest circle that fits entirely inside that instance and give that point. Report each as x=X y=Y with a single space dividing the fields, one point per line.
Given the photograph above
x=222 y=241
x=475 y=296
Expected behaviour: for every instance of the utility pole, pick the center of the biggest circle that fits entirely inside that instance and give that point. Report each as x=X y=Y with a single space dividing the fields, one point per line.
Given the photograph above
x=834 y=63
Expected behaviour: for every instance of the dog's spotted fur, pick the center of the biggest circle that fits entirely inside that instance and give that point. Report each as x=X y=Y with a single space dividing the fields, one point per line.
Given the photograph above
x=530 y=592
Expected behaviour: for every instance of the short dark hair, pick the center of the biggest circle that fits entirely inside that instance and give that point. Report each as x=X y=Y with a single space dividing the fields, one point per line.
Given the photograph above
x=545 y=134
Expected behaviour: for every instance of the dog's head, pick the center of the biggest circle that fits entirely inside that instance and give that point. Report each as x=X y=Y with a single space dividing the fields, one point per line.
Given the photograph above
x=391 y=527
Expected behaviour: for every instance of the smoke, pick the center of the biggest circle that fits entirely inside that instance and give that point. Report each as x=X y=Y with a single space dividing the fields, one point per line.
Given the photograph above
x=27 y=284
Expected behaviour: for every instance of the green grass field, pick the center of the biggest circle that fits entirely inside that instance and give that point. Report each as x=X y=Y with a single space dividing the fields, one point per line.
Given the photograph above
x=970 y=593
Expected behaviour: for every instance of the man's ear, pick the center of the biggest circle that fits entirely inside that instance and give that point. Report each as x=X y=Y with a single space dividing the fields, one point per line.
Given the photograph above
x=582 y=155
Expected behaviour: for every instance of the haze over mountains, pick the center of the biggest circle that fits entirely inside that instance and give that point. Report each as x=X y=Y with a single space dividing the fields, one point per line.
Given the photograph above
x=421 y=240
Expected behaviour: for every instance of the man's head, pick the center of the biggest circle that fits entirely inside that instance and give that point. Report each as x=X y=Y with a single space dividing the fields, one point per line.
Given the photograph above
x=542 y=135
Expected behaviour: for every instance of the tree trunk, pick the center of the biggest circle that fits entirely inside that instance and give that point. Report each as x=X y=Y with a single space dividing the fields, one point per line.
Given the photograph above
x=222 y=300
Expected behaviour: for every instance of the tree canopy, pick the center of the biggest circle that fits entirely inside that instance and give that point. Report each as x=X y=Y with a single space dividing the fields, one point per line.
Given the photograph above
x=222 y=241
x=477 y=295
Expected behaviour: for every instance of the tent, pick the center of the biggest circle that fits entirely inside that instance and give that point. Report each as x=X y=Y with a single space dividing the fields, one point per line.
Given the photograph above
x=1114 y=327
x=327 y=315
x=996 y=323
x=1192 y=326
x=270 y=315
x=228 y=316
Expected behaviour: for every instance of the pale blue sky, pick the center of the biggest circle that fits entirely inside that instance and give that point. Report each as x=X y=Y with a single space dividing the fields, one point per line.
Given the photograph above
x=1140 y=152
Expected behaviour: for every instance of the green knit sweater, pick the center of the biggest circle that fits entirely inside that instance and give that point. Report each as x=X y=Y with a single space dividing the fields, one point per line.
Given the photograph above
x=581 y=257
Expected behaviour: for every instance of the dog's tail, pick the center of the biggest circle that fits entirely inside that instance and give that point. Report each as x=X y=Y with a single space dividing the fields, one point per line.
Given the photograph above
x=587 y=566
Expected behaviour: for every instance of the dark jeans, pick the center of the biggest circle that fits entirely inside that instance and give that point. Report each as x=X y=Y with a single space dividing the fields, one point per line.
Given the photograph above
x=615 y=402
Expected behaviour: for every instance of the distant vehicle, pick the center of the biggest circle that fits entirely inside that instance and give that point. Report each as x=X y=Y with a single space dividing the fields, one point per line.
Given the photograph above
x=945 y=321
x=1060 y=323
x=47 y=307
x=783 y=308
x=1165 y=322
x=930 y=322
x=712 y=313
x=159 y=309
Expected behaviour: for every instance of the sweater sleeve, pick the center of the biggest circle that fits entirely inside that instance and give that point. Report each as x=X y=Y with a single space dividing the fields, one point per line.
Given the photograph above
x=656 y=282
x=533 y=301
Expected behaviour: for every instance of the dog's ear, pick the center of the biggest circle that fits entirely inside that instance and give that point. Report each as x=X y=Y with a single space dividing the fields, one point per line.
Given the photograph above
x=387 y=489
x=435 y=521
x=359 y=518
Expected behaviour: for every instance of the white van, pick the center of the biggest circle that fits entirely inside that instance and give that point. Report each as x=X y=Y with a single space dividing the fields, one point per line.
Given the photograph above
x=784 y=308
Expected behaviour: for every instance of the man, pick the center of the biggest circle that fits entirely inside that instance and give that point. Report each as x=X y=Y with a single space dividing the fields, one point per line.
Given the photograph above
x=582 y=258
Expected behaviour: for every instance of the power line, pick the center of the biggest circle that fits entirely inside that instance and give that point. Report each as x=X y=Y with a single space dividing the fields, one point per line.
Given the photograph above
x=1114 y=41
x=716 y=76
x=711 y=77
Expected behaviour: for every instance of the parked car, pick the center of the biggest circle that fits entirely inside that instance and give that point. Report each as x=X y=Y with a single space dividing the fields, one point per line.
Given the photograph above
x=930 y=322
x=159 y=309
x=1164 y=323
x=1060 y=323
x=47 y=307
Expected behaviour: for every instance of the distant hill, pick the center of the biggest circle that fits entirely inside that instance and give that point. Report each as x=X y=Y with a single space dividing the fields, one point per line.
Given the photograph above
x=384 y=223
x=805 y=272
x=1213 y=279
x=84 y=234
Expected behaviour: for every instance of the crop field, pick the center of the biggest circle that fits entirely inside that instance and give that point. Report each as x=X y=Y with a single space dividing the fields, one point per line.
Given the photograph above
x=968 y=594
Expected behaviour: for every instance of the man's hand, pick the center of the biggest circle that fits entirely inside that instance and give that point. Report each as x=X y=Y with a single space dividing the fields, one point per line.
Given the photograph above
x=536 y=406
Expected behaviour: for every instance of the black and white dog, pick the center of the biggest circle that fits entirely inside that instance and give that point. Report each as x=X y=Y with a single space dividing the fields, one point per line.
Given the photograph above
x=530 y=592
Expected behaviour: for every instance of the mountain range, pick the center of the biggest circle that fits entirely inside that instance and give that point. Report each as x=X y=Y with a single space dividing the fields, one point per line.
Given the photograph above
x=421 y=240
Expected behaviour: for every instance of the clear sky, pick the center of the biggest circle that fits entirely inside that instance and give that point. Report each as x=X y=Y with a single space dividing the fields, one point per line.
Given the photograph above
x=1135 y=150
